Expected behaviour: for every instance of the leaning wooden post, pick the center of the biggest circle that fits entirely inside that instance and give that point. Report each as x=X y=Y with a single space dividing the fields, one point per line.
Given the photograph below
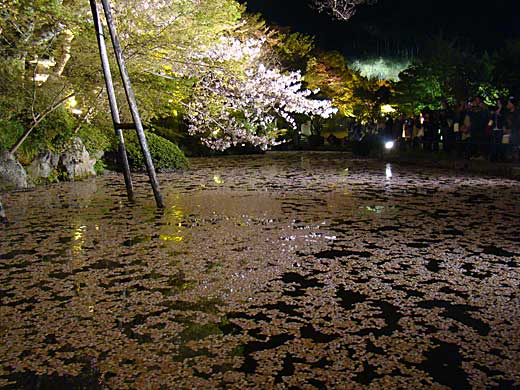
x=114 y=109
x=133 y=104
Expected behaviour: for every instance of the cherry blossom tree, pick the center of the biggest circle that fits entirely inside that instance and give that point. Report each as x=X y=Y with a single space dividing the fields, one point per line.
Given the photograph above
x=201 y=59
x=233 y=91
x=238 y=99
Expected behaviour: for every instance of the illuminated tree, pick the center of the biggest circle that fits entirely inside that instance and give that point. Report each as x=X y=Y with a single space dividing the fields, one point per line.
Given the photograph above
x=239 y=100
x=340 y=9
x=354 y=95
x=222 y=75
x=203 y=60
x=293 y=49
x=443 y=72
x=35 y=51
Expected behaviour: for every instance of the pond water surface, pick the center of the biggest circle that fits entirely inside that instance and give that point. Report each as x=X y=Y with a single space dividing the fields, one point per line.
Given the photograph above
x=280 y=271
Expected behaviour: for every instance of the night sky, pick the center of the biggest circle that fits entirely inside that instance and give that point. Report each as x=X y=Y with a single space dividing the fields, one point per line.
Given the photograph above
x=398 y=28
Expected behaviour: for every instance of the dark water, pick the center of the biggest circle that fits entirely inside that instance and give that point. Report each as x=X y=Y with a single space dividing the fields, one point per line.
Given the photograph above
x=284 y=271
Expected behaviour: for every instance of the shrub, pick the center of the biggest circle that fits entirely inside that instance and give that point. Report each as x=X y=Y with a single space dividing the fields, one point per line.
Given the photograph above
x=10 y=131
x=99 y=167
x=96 y=139
x=52 y=134
x=165 y=154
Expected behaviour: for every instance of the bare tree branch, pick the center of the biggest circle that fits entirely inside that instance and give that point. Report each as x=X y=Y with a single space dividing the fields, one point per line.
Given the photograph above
x=36 y=121
x=340 y=9
x=90 y=111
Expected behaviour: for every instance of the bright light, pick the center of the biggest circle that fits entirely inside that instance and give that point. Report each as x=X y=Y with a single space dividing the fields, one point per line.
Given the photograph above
x=388 y=171
x=389 y=145
x=380 y=68
x=72 y=103
x=387 y=109
x=45 y=63
x=40 y=78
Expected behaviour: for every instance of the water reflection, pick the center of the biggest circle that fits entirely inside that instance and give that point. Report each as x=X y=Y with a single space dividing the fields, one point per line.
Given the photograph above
x=292 y=272
x=217 y=179
x=173 y=220
x=388 y=171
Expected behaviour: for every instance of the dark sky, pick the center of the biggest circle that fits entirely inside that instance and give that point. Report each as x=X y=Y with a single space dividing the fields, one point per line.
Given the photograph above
x=398 y=27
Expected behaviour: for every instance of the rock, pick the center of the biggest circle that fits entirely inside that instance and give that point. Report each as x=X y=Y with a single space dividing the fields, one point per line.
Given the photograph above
x=75 y=162
x=43 y=166
x=12 y=174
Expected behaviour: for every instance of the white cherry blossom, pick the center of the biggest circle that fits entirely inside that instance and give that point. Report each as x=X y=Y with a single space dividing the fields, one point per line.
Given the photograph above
x=247 y=106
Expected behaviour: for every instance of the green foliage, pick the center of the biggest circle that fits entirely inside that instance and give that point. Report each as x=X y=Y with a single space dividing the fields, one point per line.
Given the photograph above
x=419 y=88
x=52 y=134
x=96 y=139
x=99 y=167
x=490 y=93
x=293 y=49
x=165 y=154
x=158 y=46
x=171 y=128
x=55 y=176
x=61 y=33
x=10 y=131
x=354 y=95
x=444 y=72
x=55 y=130
x=380 y=68
x=156 y=49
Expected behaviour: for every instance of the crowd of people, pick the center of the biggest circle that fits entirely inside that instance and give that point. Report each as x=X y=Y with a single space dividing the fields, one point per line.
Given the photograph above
x=469 y=130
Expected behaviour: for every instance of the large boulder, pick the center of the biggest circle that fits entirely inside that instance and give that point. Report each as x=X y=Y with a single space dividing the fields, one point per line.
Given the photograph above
x=44 y=166
x=12 y=174
x=75 y=162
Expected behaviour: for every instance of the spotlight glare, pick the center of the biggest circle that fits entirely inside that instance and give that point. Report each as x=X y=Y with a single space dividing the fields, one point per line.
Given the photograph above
x=389 y=145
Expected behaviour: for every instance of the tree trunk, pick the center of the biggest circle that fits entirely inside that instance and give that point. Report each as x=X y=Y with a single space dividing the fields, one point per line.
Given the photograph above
x=66 y=45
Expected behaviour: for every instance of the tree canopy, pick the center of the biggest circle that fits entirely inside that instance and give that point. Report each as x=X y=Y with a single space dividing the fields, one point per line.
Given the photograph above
x=340 y=9
x=224 y=72
x=213 y=71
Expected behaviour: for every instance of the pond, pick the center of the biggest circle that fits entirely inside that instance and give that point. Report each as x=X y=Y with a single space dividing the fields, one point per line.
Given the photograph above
x=277 y=271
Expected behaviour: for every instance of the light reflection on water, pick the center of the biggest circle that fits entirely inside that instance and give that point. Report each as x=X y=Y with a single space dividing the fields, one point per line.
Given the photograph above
x=292 y=270
x=388 y=171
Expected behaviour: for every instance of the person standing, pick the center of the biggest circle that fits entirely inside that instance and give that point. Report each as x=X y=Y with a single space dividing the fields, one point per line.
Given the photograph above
x=479 y=116
x=429 y=131
x=417 y=132
x=497 y=153
x=512 y=128
x=458 y=119
x=465 y=132
x=446 y=127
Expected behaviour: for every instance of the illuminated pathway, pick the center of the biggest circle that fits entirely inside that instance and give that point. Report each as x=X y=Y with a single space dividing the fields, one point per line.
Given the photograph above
x=284 y=271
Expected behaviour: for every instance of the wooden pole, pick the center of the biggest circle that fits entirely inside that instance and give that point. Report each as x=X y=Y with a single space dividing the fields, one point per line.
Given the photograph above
x=133 y=104
x=114 y=109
